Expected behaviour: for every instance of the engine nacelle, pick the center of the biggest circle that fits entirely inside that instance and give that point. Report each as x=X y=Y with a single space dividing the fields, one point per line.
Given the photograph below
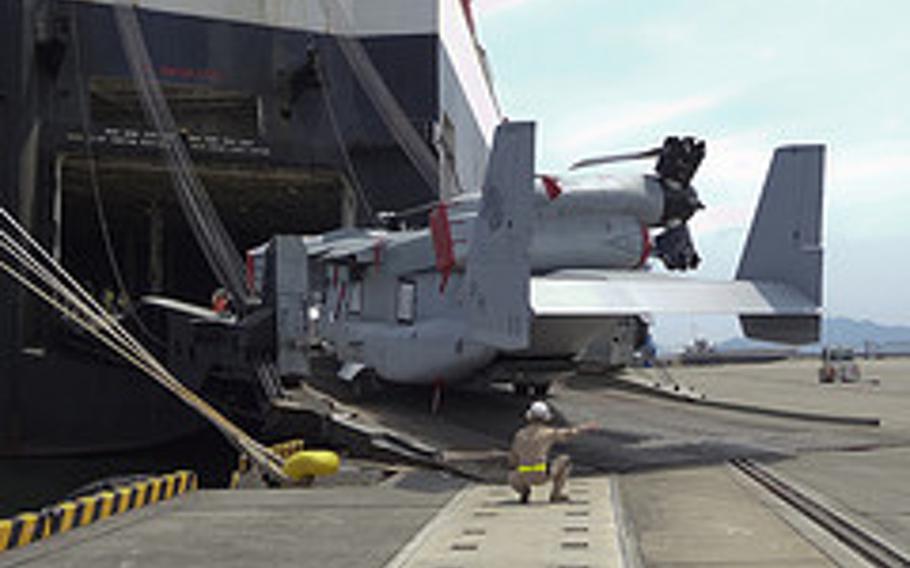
x=589 y=241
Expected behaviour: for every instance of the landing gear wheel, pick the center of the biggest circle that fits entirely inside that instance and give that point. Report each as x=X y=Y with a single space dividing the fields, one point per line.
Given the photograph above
x=359 y=388
x=375 y=385
x=436 y=398
x=364 y=385
x=542 y=390
x=521 y=389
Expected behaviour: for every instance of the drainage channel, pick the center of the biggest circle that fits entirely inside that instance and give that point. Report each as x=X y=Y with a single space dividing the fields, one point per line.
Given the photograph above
x=858 y=539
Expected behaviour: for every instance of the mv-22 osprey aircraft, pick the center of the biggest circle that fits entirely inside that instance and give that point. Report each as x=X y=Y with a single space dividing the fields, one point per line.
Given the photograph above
x=514 y=282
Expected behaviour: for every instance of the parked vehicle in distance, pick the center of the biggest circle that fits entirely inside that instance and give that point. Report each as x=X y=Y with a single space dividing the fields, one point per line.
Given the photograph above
x=838 y=365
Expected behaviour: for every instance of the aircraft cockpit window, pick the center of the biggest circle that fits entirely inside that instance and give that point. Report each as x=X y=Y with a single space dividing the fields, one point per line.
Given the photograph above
x=406 y=305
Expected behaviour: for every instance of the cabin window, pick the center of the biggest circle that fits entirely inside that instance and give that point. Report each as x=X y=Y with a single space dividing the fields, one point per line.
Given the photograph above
x=406 y=305
x=355 y=297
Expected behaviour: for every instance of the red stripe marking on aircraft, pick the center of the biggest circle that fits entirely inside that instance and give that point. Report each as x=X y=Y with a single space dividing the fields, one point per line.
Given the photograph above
x=341 y=298
x=377 y=252
x=441 y=232
x=250 y=273
x=552 y=187
x=646 y=245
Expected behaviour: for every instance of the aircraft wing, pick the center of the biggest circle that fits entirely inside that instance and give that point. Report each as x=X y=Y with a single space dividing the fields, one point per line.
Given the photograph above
x=606 y=293
x=348 y=245
x=358 y=246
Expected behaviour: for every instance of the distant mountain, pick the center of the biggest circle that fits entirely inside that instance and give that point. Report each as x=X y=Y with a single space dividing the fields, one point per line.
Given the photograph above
x=842 y=331
x=855 y=333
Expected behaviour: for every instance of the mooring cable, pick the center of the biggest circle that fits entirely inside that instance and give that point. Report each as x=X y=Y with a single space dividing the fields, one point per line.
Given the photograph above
x=77 y=305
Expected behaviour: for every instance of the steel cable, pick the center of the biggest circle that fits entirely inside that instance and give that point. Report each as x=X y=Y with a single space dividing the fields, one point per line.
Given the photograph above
x=210 y=233
x=372 y=83
x=100 y=213
x=343 y=150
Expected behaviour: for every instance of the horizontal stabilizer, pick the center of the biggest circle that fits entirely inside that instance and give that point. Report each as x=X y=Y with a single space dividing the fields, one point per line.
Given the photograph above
x=608 y=293
x=794 y=330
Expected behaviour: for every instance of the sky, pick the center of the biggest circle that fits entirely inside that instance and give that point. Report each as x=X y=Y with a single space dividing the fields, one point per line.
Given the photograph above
x=601 y=76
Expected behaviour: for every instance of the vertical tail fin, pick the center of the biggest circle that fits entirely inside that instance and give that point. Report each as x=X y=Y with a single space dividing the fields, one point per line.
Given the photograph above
x=288 y=289
x=784 y=243
x=498 y=265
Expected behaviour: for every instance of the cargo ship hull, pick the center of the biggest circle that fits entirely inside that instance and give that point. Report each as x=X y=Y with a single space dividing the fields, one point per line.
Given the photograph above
x=281 y=132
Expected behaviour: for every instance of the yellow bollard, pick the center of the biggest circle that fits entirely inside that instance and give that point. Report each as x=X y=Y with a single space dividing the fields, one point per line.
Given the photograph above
x=141 y=488
x=6 y=530
x=28 y=522
x=311 y=463
x=124 y=494
x=67 y=516
x=48 y=519
x=170 y=482
x=89 y=504
x=106 y=502
x=154 y=494
x=183 y=482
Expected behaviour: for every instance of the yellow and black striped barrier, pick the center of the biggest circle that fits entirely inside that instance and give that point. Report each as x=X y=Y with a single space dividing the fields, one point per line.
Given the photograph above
x=288 y=449
x=27 y=528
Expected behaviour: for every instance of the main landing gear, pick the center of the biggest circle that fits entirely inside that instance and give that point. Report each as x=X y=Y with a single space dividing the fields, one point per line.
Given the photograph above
x=535 y=390
x=436 y=398
x=364 y=386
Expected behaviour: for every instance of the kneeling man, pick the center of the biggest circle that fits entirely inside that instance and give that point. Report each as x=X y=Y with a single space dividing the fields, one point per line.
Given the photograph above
x=530 y=450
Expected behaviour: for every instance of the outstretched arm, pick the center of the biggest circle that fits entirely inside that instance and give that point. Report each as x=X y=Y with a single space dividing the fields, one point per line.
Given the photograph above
x=565 y=434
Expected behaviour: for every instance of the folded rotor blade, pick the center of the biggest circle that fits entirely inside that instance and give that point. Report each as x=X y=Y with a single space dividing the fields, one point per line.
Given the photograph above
x=612 y=158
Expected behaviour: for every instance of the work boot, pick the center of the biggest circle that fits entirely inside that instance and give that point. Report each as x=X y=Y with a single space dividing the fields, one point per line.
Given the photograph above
x=525 y=496
x=559 y=498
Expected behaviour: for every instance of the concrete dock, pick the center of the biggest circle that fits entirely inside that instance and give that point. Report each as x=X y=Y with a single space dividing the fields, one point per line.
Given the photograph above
x=653 y=488
x=419 y=519
x=429 y=520
x=351 y=526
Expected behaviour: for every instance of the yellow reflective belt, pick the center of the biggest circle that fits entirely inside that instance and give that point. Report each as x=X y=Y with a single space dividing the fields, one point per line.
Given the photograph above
x=530 y=468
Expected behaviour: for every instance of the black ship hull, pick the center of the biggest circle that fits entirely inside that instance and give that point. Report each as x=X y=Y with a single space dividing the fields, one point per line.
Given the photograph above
x=80 y=165
x=65 y=405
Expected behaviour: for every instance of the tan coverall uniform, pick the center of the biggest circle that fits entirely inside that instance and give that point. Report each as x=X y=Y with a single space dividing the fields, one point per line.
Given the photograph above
x=528 y=458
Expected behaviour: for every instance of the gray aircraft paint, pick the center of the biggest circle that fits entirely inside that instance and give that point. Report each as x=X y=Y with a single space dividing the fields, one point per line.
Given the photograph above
x=511 y=295
x=457 y=328
x=499 y=264
x=503 y=299
x=784 y=243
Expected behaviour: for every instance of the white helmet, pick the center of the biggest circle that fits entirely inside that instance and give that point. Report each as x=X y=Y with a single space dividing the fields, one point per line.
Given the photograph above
x=539 y=411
